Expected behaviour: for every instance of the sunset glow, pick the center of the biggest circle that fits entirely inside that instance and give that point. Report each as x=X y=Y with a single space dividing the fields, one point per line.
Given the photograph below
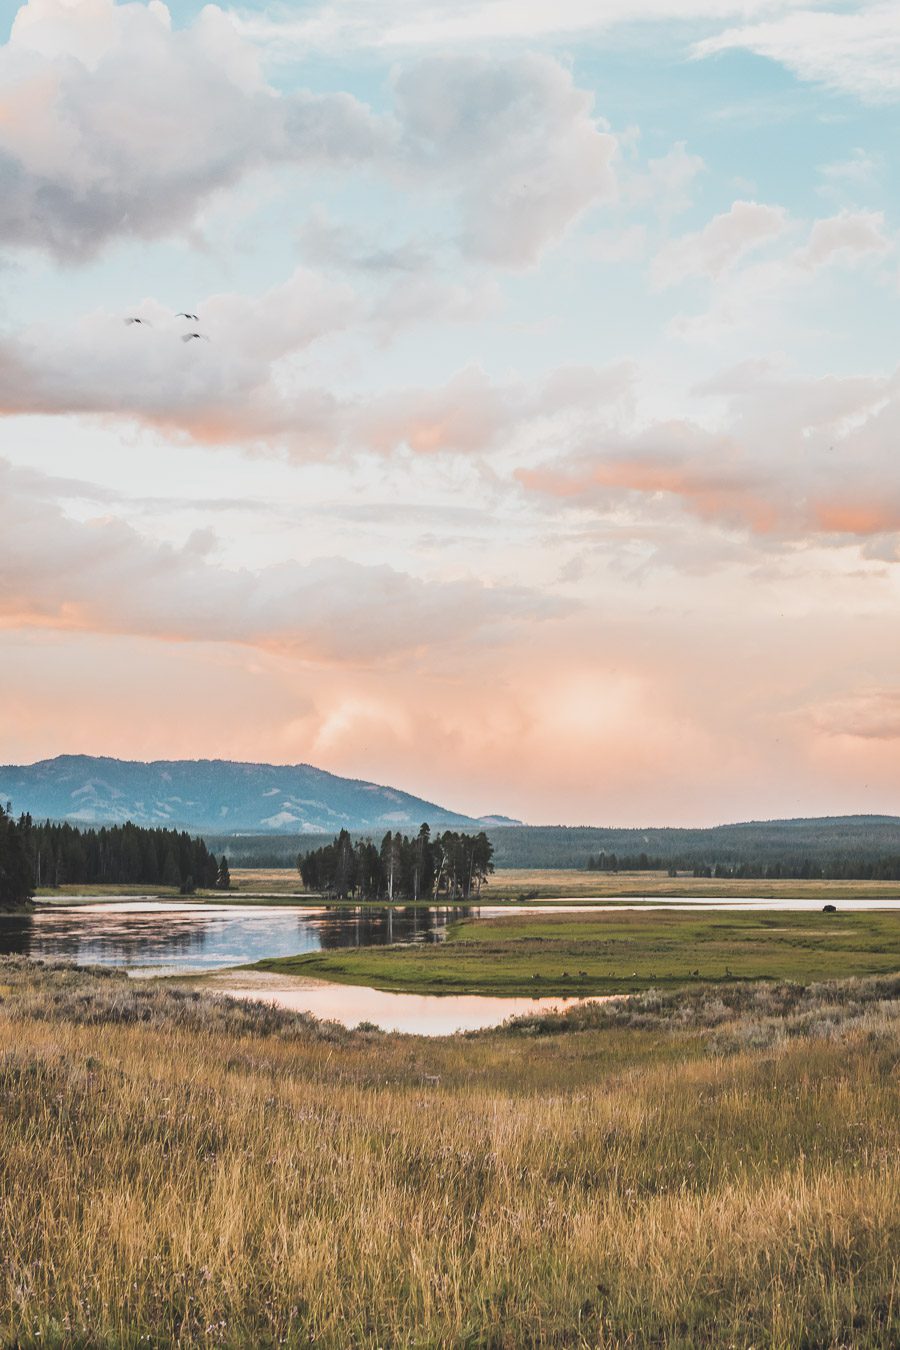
x=541 y=458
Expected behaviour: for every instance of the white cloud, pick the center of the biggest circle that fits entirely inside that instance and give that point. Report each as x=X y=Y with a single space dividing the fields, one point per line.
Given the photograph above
x=847 y=238
x=226 y=388
x=860 y=167
x=103 y=576
x=251 y=386
x=518 y=141
x=753 y=295
x=667 y=181
x=433 y=24
x=855 y=51
x=115 y=124
x=721 y=243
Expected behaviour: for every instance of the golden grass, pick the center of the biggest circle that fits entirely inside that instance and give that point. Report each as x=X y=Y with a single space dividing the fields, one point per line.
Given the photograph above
x=199 y=1180
x=509 y=883
x=537 y=883
x=571 y=883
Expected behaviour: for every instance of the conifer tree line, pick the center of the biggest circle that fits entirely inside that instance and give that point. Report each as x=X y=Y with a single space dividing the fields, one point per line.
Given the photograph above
x=802 y=868
x=51 y=855
x=15 y=862
x=450 y=866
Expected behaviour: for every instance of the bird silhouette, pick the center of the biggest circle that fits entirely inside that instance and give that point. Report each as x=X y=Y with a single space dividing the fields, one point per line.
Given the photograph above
x=186 y=337
x=184 y=315
x=133 y=319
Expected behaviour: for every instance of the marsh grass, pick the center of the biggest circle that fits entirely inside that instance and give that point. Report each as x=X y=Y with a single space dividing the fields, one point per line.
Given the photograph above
x=177 y=1170
x=617 y=952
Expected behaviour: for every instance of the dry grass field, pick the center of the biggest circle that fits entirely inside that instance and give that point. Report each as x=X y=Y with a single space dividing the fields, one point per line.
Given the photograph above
x=513 y=884
x=547 y=883
x=714 y=1169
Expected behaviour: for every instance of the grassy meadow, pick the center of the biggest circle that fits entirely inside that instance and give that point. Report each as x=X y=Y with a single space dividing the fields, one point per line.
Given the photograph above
x=618 y=952
x=715 y=1168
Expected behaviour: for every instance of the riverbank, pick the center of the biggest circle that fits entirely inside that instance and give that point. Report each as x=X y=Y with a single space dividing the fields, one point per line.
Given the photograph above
x=716 y=1169
x=581 y=954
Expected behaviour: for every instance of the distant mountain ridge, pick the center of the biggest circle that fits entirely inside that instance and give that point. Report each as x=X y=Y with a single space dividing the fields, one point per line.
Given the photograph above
x=227 y=796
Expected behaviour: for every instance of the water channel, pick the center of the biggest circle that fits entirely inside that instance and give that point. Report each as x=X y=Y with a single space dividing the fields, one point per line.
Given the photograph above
x=159 y=937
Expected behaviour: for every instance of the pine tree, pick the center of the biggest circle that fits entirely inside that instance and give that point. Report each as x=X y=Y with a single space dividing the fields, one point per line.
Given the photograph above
x=223 y=879
x=16 y=863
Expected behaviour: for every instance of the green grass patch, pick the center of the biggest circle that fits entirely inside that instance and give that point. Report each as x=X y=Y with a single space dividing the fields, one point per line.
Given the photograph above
x=610 y=953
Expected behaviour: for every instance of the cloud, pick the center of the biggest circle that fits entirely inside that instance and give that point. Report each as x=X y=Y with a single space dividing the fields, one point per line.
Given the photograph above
x=667 y=182
x=102 y=576
x=854 y=51
x=332 y=244
x=720 y=244
x=866 y=714
x=845 y=238
x=223 y=390
x=858 y=168
x=472 y=414
x=251 y=384
x=753 y=293
x=799 y=461
x=518 y=141
x=114 y=123
x=403 y=24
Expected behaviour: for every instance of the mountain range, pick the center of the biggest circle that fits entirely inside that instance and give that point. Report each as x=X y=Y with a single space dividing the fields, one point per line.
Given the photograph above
x=222 y=795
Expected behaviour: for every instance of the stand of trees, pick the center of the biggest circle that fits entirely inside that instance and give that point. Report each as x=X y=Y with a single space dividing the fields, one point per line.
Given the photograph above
x=637 y=862
x=59 y=855
x=450 y=866
x=15 y=862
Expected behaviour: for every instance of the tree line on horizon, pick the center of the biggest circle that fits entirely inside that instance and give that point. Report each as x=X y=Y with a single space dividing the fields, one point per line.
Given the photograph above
x=848 y=847
x=449 y=866
x=848 y=868
x=50 y=855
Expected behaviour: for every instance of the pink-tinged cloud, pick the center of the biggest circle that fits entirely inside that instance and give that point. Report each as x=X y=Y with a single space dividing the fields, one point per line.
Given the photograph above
x=103 y=576
x=801 y=460
x=866 y=714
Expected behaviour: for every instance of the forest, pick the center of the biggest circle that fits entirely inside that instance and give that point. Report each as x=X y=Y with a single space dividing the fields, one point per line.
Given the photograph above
x=451 y=866
x=801 y=868
x=847 y=847
x=51 y=855
x=15 y=863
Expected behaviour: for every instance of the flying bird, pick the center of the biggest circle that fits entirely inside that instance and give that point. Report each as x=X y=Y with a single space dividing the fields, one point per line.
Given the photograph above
x=133 y=319
x=186 y=337
x=183 y=315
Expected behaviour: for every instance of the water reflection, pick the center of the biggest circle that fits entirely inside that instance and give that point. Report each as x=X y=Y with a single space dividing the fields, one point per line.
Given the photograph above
x=173 y=937
x=419 y=1014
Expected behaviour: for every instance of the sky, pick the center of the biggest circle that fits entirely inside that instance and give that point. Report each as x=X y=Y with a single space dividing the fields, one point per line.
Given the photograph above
x=538 y=454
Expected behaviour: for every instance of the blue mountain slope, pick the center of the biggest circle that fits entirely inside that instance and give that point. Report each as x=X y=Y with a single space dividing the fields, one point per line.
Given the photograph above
x=219 y=795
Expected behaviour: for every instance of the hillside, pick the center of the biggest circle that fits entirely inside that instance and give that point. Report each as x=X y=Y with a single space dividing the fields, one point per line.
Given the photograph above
x=822 y=840
x=219 y=795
